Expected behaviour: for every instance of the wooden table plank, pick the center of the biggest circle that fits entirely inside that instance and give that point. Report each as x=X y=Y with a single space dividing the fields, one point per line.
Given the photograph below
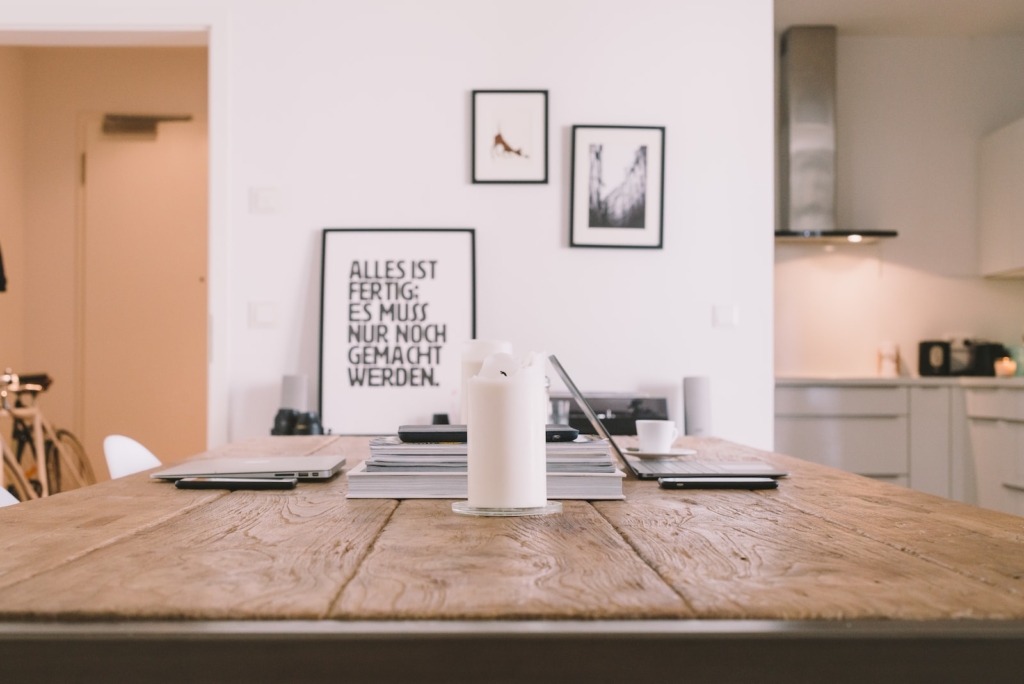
x=247 y=554
x=975 y=542
x=38 y=536
x=44 y=533
x=746 y=555
x=826 y=544
x=432 y=563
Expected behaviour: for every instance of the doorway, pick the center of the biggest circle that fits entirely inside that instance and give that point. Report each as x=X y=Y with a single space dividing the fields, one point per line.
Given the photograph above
x=117 y=235
x=141 y=309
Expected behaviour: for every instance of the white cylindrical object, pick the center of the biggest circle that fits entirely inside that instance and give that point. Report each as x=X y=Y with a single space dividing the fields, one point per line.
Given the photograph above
x=473 y=354
x=506 y=434
x=656 y=436
x=888 y=360
x=697 y=406
x=295 y=393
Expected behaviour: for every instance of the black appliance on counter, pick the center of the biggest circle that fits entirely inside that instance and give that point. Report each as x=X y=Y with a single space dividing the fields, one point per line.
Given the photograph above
x=983 y=357
x=618 y=413
x=933 y=358
x=936 y=358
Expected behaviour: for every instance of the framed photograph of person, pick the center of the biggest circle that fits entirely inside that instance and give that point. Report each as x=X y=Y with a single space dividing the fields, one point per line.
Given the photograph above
x=510 y=136
x=617 y=186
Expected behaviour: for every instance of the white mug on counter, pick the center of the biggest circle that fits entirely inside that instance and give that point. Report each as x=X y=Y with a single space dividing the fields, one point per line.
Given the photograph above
x=656 y=436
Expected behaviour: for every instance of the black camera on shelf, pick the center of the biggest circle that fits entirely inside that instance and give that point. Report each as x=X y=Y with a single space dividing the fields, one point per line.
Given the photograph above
x=292 y=422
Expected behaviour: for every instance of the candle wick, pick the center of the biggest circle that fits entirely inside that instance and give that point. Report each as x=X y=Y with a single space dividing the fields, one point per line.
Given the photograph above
x=503 y=373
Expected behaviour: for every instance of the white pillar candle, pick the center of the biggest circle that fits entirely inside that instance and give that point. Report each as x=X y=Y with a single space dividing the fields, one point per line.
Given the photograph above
x=1005 y=367
x=506 y=433
x=295 y=393
x=473 y=354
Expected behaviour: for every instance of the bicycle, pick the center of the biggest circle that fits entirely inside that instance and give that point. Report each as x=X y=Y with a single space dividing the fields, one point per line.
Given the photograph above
x=63 y=465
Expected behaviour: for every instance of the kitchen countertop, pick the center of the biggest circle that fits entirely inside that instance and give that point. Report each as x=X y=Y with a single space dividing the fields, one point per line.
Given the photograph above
x=1016 y=382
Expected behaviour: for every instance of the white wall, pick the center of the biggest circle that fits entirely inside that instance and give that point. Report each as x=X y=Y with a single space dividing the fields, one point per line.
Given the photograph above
x=12 y=207
x=359 y=114
x=911 y=113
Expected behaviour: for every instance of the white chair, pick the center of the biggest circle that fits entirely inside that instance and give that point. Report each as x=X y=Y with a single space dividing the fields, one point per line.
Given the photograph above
x=125 y=456
x=6 y=498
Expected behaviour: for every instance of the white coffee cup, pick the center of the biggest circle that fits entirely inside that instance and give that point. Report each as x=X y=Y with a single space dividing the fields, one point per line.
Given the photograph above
x=656 y=436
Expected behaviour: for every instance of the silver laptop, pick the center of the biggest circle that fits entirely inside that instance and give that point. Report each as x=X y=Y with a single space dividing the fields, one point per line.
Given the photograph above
x=652 y=469
x=300 y=467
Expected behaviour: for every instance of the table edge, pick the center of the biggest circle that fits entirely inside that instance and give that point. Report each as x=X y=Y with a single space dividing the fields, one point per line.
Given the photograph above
x=968 y=628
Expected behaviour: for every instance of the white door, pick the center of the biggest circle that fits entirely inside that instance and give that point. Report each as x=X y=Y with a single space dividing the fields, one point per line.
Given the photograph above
x=143 y=303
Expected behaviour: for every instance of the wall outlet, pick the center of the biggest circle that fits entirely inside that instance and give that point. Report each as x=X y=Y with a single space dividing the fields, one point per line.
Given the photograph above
x=262 y=315
x=725 y=316
x=264 y=200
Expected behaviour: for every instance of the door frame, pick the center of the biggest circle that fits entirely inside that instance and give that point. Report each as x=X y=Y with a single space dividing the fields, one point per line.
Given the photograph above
x=75 y=24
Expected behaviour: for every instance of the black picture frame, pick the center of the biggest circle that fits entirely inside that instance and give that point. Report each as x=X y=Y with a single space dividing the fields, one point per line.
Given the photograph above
x=619 y=229
x=381 y=408
x=483 y=101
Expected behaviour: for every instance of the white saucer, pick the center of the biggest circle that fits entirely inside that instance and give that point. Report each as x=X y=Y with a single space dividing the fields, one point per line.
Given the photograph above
x=671 y=453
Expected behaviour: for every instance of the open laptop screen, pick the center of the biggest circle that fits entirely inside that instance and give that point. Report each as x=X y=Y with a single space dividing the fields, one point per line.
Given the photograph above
x=588 y=411
x=653 y=469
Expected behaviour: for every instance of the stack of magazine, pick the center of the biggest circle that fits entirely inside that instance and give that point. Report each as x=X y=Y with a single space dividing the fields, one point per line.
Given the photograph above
x=582 y=469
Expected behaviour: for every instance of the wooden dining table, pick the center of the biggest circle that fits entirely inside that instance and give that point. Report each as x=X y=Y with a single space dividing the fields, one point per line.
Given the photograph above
x=832 y=577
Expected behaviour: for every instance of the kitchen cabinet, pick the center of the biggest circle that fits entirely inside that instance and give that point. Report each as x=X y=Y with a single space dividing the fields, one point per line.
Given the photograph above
x=1001 y=202
x=863 y=430
x=996 y=430
x=930 y=451
x=961 y=438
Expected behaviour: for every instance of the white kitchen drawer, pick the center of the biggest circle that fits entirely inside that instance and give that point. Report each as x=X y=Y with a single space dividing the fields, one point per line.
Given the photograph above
x=994 y=446
x=930 y=461
x=1014 y=497
x=867 y=446
x=841 y=401
x=995 y=403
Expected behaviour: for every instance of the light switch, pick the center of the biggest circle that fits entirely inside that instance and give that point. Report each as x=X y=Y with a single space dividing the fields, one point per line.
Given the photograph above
x=262 y=315
x=725 y=316
x=264 y=200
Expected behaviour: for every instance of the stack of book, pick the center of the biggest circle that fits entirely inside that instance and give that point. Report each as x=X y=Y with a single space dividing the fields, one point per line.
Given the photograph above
x=582 y=469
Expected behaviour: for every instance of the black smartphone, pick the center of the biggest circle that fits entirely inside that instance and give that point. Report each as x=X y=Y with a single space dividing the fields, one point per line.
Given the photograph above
x=717 y=483
x=236 y=483
x=435 y=434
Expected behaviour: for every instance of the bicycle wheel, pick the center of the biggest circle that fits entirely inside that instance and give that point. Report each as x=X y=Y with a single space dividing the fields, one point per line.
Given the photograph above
x=76 y=456
x=53 y=468
x=21 y=437
x=17 y=484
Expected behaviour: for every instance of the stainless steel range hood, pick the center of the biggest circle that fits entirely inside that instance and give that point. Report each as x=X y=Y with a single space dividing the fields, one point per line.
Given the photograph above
x=807 y=140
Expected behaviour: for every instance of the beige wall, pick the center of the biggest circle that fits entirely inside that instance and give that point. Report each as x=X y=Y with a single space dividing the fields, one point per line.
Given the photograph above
x=911 y=113
x=12 y=206
x=60 y=84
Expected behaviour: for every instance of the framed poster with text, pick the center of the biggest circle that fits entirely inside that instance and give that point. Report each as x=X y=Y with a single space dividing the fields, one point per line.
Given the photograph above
x=396 y=305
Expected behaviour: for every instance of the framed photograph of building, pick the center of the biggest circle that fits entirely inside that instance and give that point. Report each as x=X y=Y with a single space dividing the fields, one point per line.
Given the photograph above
x=510 y=136
x=396 y=306
x=617 y=186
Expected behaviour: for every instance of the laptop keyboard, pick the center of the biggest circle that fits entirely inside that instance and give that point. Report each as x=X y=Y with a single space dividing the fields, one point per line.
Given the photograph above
x=668 y=468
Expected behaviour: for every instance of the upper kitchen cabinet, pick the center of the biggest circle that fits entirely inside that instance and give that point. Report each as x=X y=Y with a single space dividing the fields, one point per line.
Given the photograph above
x=1001 y=202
